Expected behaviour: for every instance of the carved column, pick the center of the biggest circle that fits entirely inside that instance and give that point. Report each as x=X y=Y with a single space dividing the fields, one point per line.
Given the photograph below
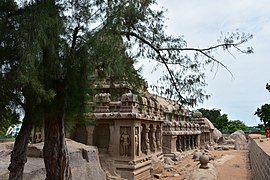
x=158 y=138
x=179 y=143
x=184 y=143
x=111 y=143
x=193 y=141
x=198 y=140
x=152 y=138
x=145 y=131
x=188 y=143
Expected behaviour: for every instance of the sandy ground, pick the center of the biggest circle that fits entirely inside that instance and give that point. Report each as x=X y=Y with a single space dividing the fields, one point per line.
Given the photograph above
x=230 y=164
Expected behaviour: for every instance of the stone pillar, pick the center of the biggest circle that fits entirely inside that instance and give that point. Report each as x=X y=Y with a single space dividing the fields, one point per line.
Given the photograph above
x=184 y=143
x=198 y=140
x=179 y=143
x=147 y=145
x=111 y=149
x=158 y=138
x=152 y=137
x=188 y=142
x=194 y=141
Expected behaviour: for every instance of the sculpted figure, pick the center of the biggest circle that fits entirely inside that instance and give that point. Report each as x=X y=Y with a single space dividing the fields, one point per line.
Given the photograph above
x=136 y=141
x=125 y=143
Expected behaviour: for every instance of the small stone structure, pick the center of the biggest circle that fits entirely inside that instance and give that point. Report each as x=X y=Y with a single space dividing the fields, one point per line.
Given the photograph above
x=206 y=128
x=129 y=129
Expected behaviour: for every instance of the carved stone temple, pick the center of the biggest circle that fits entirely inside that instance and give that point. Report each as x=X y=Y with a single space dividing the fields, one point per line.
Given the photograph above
x=133 y=129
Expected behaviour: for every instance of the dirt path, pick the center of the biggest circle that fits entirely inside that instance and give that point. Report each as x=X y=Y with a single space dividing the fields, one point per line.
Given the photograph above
x=230 y=164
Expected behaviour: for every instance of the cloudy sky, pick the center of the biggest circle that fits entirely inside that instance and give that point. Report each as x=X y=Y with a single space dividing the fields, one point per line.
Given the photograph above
x=201 y=23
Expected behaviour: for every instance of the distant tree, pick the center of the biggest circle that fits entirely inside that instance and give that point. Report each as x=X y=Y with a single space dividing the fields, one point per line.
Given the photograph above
x=264 y=114
x=221 y=122
x=7 y=118
x=211 y=114
x=234 y=125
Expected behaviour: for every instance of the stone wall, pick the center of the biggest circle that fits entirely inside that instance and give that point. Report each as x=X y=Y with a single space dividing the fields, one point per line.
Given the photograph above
x=260 y=162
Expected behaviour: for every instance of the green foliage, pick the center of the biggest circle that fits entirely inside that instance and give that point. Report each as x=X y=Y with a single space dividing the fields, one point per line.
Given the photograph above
x=210 y=114
x=3 y=136
x=214 y=115
x=264 y=114
x=7 y=118
x=234 y=125
x=222 y=122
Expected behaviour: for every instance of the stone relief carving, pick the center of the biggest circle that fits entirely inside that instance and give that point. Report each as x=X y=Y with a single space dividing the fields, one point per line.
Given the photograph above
x=158 y=137
x=152 y=138
x=125 y=141
x=136 y=141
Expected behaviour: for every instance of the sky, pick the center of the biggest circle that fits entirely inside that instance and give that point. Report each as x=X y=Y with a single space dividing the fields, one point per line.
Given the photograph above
x=201 y=23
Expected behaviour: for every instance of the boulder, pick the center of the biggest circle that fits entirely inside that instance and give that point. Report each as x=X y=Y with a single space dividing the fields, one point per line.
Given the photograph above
x=199 y=174
x=157 y=165
x=238 y=136
x=84 y=162
x=216 y=135
x=240 y=141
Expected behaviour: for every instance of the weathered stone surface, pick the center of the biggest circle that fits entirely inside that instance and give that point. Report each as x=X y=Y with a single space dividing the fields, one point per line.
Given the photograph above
x=156 y=166
x=168 y=160
x=259 y=161
x=35 y=150
x=200 y=174
x=84 y=163
x=168 y=167
x=216 y=134
x=238 y=136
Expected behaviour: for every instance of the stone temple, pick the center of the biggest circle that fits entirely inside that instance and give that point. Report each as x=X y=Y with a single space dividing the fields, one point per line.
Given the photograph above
x=133 y=130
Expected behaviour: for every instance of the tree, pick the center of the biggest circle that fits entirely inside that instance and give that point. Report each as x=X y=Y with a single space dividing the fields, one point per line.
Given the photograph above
x=264 y=114
x=222 y=122
x=234 y=125
x=11 y=85
x=211 y=114
x=58 y=44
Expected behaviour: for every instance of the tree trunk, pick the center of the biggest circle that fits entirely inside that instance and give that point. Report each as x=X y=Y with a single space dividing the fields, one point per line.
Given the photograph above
x=55 y=150
x=18 y=156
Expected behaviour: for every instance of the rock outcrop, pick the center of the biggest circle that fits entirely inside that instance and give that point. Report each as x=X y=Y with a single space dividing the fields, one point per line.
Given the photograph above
x=240 y=141
x=84 y=162
x=199 y=174
x=216 y=134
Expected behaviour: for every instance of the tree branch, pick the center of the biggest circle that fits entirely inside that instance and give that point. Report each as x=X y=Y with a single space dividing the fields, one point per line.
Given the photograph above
x=183 y=100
